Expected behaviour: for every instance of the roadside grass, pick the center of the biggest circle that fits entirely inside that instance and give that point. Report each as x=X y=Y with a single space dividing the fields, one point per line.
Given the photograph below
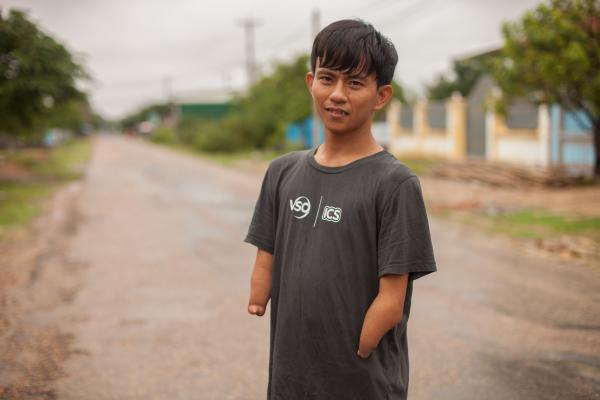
x=44 y=171
x=530 y=223
x=524 y=221
x=66 y=162
x=418 y=164
x=18 y=202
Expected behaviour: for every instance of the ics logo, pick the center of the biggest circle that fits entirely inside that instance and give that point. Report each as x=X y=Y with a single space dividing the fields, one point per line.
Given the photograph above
x=300 y=207
x=333 y=214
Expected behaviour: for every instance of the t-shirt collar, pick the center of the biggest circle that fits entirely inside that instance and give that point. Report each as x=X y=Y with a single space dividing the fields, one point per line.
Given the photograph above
x=333 y=170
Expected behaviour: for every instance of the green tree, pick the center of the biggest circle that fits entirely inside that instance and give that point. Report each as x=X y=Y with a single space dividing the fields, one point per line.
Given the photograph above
x=466 y=73
x=142 y=114
x=272 y=103
x=37 y=78
x=554 y=51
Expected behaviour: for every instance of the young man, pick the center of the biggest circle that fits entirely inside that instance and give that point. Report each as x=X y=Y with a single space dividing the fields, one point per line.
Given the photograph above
x=342 y=233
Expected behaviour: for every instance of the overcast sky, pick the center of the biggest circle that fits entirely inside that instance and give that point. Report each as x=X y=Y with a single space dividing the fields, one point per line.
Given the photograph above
x=139 y=50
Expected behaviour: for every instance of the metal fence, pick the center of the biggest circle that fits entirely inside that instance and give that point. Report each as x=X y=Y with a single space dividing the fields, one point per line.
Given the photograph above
x=436 y=115
x=406 y=118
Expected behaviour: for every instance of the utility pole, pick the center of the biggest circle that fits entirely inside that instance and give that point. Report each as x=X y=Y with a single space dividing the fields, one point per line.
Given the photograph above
x=167 y=88
x=316 y=125
x=173 y=115
x=249 y=24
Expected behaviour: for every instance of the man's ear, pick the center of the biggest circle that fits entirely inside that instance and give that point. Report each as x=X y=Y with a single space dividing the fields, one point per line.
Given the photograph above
x=384 y=94
x=309 y=81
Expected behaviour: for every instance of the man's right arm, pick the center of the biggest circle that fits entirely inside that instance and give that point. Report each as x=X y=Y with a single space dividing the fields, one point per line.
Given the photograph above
x=260 y=286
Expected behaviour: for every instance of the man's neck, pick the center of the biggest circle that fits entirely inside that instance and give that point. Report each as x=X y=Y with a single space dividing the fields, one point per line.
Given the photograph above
x=339 y=149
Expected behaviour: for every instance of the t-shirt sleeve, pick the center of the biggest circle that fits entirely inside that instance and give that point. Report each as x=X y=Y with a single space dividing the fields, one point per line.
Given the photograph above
x=261 y=231
x=404 y=241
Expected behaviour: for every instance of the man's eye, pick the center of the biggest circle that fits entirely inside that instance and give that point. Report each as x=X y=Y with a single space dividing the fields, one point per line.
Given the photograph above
x=325 y=78
x=356 y=83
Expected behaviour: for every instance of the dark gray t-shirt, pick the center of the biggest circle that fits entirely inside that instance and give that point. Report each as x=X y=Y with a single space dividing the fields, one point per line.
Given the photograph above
x=333 y=232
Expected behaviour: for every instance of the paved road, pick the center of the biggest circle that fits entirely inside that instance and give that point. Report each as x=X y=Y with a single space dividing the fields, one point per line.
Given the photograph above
x=161 y=309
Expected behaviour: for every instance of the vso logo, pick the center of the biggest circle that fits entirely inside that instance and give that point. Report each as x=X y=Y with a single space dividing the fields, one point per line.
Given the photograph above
x=333 y=214
x=300 y=207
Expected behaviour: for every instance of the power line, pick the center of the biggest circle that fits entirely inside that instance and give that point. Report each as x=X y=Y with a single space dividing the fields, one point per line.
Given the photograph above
x=408 y=9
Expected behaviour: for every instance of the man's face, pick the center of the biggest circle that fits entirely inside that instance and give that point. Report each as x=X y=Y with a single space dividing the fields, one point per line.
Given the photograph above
x=345 y=101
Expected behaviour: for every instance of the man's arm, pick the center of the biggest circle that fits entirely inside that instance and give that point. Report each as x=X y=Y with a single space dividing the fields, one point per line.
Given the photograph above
x=384 y=313
x=260 y=285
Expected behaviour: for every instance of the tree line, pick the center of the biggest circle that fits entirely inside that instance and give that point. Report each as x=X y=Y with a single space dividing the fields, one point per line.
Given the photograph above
x=38 y=83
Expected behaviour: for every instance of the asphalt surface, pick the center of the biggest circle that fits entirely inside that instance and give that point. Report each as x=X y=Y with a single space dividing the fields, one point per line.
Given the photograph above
x=160 y=312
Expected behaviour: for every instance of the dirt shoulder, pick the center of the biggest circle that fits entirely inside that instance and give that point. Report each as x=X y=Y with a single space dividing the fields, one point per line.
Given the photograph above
x=576 y=201
x=36 y=278
x=561 y=223
x=38 y=216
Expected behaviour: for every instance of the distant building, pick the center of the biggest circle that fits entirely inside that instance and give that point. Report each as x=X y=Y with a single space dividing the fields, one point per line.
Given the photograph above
x=204 y=110
x=210 y=104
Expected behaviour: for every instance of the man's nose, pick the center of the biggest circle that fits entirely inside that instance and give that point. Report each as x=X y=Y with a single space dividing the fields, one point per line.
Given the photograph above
x=339 y=92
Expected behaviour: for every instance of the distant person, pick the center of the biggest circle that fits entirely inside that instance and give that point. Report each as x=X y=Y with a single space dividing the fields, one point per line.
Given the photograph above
x=342 y=233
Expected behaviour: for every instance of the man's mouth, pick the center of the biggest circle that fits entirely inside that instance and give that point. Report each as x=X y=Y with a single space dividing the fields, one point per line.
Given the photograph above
x=336 y=111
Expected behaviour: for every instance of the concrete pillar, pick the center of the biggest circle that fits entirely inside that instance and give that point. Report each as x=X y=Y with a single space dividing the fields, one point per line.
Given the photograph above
x=543 y=129
x=393 y=118
x=420 y=125
x=456 y=125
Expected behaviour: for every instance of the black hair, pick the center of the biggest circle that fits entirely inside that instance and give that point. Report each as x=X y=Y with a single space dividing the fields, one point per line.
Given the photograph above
x=353 y=45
